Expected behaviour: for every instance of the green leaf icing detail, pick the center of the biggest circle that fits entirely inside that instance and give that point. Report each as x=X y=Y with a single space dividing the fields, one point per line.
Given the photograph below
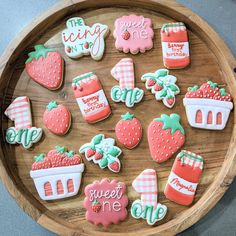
x=103 y=162
x=127 y=116
x=39 y=158
x=52 y=105
x=213 y=85
x=193 y=89
x=223 y=92
x=60 y=149
x=95 y=202
x=115 y=151
x=70 y=153
x=40 y=51
x=171 y=122
x=97 y=139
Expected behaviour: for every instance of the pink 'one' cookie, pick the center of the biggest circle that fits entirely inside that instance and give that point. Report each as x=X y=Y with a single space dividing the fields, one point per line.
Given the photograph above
x=133 y=34
x=105 y=202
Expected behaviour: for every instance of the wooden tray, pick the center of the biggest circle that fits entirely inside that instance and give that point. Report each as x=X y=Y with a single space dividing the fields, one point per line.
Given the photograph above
x=210 y=59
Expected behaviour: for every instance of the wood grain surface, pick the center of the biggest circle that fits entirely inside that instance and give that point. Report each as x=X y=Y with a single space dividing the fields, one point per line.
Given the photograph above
x=210 y=60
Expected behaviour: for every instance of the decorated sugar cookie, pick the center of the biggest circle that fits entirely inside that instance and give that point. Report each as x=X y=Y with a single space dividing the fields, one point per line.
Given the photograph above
x=45 y=66
x=90 y=97
x=184 y=178
x=175 y=45
x=129 y=131
x=125 y=92
x=162 y=85
x=57 y=118
x=80 y=39
x=106 y=202
x=58 y=174
x=147 y=207
x=133 y=34
x=208 y=107
x=102 y=151
x=165 y=137
x=23 y=133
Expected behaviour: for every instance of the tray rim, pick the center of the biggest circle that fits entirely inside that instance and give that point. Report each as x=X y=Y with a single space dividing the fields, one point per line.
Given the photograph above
x=226 y=61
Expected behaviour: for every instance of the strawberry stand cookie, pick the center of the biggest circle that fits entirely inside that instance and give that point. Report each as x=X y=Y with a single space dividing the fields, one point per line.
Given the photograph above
x=133 y=34
x=105 y=202
x=58 y=174
x=45 y=66
x=80 y=39
x=147 y=207
x=184 y=178
x=165 y=137
x=129 y=131
x=162 y=85
x=175 y=45
x=102 y=151
x=90 y=97
x=125 y=92
x=57 y=118
x=208 y=106
x=23 y=133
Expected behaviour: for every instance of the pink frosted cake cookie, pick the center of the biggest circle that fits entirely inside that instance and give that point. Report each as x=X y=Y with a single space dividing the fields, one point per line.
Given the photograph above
x=208 y=107
x=105 y=202
x=133 y=34
x=58 y=174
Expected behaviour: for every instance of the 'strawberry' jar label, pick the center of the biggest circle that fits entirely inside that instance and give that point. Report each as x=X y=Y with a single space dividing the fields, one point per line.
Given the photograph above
x=181 y=185
x=175 y=50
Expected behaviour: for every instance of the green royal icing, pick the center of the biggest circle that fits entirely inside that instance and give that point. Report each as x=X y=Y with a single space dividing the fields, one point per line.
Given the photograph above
x=127 y=116
x=222 y=92
x=171 y=122
x=40 y=51
x=213 y=85
x=39 y=158
x=70 y=153
x=128 y=96
x=193 y=89
x=52 y=105
x=60 y=149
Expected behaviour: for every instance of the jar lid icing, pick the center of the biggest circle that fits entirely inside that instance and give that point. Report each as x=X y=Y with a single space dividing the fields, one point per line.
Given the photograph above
x=191 y=159
x=84 y=78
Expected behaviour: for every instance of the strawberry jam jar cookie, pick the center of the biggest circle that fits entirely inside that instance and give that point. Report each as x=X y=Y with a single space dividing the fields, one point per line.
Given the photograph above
x=90 y=97
x=208 y=106
x=58 y=174
x=162 y=85
x=133 y=34
x=147 y=207
x=57 y=118
x=129 y=131
x=80 y=39
x=22 y=133
x=184 y=178
x=105 y=202
x=102 y=151
x=175 y=45
x=45 y=66
x=165 y=137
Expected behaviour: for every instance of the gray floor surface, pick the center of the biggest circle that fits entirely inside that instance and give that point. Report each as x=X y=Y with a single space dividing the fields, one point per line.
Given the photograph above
x=220 y=14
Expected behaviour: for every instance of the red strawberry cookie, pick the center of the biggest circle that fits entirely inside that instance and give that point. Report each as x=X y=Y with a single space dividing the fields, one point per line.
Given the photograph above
x=102 y=151
x=57 y=118
x=105 y=202
x=129 y=131
x=165 y=137
x=45 y=66
x=208 y=107
x=184 y=178
x=58 y=174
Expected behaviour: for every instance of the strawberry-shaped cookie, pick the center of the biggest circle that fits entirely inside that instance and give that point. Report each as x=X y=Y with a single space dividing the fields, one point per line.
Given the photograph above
x=57 y=118
x=58 y=174
x=45 y=66
x=165 y=137
x=208 y=107
x=102 y=151
x=129 y=131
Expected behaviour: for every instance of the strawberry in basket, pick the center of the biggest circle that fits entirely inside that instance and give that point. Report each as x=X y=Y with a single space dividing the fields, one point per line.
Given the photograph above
x=208 y=106
x=58 y=174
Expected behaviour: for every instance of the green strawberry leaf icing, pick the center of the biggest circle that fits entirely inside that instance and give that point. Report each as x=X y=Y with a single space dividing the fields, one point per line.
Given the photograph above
x=114 y=151
x=162 y=73
x=163 y=93
x=127 y=116
x=171 y=122
x=97 y=139
x=60 y=149
x=39 y=158
x=52 y=105
x=70 y=153
x=95 y=202
x=193 y=89
x=103 y=162
x=40 y=51
x=213 y=85
x=223 y=92
x=174 y=87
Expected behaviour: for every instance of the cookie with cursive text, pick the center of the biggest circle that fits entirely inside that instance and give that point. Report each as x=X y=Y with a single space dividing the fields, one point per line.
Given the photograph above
x=105 y=202
x=80 y=39
x=133 y=34
x=23 y=133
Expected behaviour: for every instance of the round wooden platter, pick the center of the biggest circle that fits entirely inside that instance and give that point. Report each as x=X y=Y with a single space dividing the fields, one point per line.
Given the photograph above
x=210 y=60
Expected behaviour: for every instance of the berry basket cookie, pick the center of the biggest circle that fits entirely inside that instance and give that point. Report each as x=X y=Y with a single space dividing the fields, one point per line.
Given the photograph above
x=58 y=174
x=208 y=107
